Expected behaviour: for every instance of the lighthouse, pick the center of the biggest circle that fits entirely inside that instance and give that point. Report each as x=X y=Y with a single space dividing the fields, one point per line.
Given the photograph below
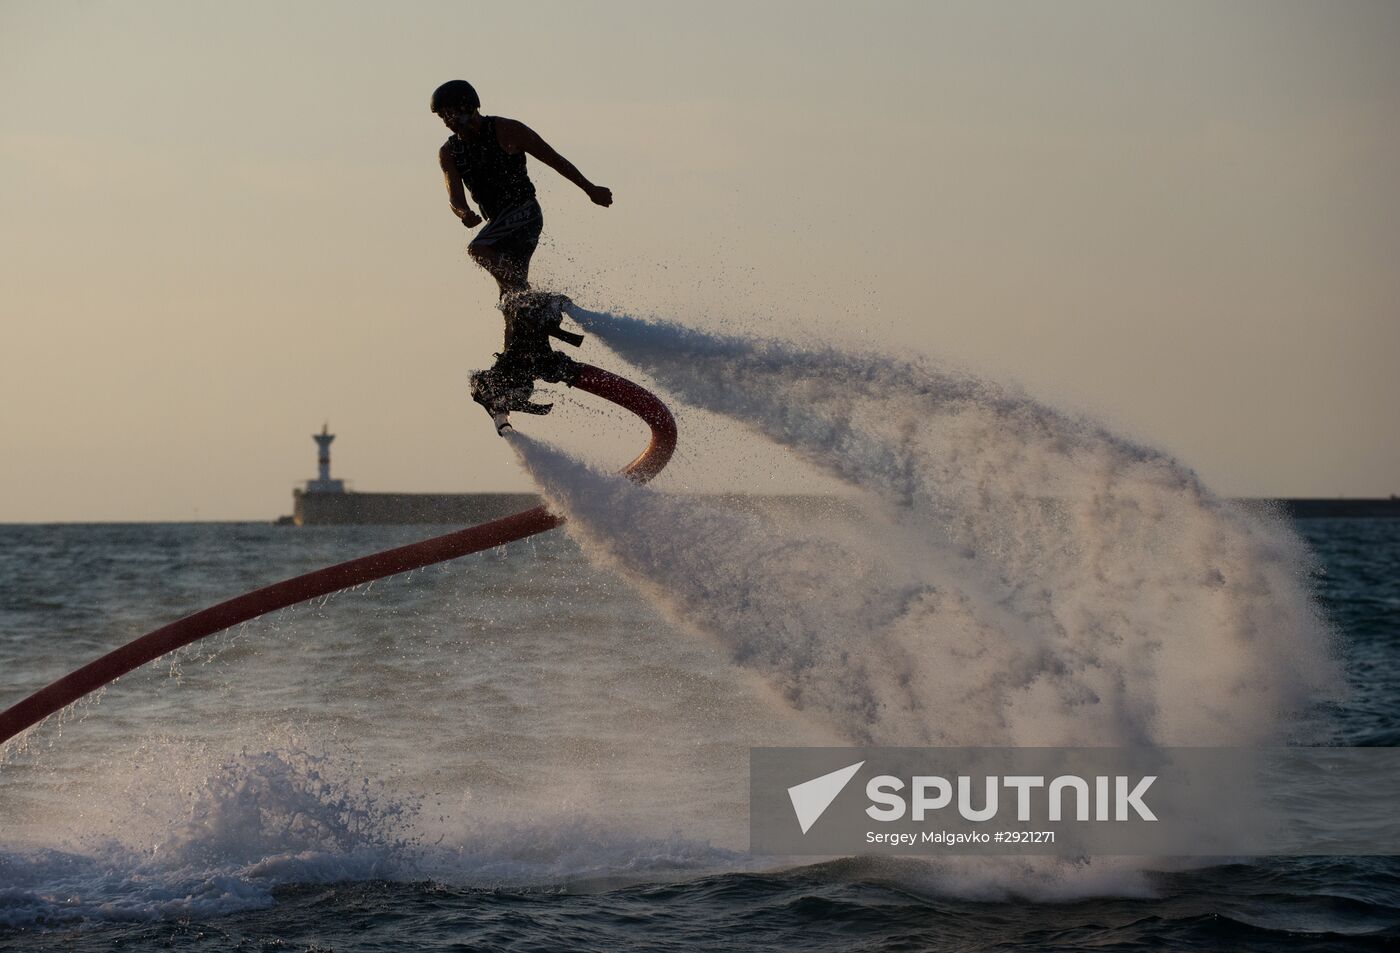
x=323 y=482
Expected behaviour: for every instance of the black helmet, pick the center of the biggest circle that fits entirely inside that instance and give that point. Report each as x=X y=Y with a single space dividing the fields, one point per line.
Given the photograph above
x=457 y=92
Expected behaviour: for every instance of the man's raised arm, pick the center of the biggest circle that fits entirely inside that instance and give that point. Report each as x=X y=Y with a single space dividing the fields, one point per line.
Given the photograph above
x=517 y=136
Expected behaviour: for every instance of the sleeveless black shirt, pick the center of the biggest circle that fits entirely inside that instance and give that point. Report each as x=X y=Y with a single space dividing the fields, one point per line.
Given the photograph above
x=496 y=179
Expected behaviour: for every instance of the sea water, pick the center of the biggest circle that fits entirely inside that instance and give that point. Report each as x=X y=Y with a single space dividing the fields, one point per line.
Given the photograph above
x=545 y=746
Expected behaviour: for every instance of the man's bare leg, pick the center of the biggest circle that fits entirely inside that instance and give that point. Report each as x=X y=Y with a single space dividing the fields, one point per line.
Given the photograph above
x=509 y=276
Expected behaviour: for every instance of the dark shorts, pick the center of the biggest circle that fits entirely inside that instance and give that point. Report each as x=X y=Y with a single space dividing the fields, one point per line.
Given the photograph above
x=514 y=233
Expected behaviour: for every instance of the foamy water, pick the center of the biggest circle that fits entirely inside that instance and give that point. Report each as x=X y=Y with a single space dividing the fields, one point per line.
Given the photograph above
x=474 y=724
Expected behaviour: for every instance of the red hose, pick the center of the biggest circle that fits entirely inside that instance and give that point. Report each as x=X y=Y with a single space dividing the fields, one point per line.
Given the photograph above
x=250 y=605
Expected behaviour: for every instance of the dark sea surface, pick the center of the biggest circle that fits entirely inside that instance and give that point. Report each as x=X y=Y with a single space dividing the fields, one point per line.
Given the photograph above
x=519 y=751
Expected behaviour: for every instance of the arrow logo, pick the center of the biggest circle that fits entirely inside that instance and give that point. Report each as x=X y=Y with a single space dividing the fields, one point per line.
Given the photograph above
x=810 y=799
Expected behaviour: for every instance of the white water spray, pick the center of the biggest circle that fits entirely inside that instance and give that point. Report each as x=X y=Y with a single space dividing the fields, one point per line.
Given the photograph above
x=1032 y=579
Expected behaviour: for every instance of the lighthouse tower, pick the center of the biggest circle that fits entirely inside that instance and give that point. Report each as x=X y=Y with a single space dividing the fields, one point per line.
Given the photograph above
x=323 y=482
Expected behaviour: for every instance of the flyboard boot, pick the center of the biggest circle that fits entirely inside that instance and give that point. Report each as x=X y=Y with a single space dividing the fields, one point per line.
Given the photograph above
x=532 y=318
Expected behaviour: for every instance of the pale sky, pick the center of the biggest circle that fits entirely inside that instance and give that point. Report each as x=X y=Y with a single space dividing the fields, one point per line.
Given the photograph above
x=223 y=224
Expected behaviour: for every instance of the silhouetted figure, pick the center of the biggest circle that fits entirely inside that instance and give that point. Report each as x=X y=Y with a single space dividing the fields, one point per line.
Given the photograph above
x=486 y=157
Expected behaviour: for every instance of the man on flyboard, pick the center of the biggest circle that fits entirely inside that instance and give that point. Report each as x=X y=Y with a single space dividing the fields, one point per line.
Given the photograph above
x=486 y=154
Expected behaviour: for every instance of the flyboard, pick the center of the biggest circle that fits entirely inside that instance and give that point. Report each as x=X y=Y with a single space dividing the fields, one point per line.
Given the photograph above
x=532 y=318
x=250 y=605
